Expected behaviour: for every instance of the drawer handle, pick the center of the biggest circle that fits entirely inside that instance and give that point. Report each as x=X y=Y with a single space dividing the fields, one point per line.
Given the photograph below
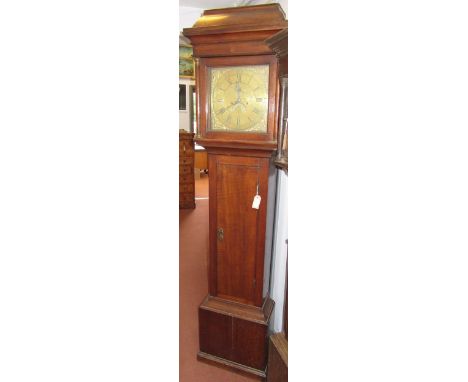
x=220 y=234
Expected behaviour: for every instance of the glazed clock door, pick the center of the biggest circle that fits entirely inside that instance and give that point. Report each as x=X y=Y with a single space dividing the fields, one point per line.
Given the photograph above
x=241 y=98
x=239 y=249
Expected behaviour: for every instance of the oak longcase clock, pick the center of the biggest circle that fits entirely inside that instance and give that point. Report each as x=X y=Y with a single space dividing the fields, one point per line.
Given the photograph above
x=237 y=104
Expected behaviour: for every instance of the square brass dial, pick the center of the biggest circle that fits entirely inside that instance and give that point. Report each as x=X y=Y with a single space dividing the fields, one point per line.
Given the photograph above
x=239 y=98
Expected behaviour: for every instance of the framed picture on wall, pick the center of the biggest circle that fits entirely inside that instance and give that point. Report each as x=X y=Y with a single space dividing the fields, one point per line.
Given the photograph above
x=186 y=63
x=182 y=97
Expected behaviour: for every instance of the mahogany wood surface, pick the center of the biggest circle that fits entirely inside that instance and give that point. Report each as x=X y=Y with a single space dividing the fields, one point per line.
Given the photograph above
x=279 y=44
x=259 y=17
x=236 y=334
x=240 y=48
x=233 y=339
x=277 y=359
x=250 y=342
x=201 y=159
x=225 y=29
x=247 y=312
x=243 y=144
x=215 y=333
x=236 y=261
x=251 y=373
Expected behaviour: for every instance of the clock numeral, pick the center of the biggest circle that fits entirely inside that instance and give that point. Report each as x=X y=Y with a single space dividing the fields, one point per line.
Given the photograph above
x=220 y=100
x=257 y=111
x=259 y=99
x=222 y=110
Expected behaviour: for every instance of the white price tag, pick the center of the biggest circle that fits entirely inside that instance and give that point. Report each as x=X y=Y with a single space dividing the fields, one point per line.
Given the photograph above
x=256 y=201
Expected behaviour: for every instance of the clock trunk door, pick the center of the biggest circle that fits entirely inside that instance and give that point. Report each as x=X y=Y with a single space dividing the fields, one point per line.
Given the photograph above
x=237 y=228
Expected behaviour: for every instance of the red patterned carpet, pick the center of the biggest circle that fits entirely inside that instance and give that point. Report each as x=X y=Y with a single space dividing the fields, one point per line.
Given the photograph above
x=193 y=287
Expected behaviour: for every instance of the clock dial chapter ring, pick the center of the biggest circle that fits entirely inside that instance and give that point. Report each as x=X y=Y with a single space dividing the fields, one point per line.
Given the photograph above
x=239 y=98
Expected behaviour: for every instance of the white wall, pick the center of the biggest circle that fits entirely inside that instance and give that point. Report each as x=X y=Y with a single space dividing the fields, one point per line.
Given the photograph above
x=278 y=271
x=283 y=3
x=188 y=16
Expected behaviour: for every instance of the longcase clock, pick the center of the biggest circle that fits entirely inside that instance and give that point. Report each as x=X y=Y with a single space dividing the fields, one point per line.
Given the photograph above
x=237 y=99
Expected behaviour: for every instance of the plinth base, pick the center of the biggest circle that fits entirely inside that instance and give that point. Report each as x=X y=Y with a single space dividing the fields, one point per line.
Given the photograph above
x=235 y=335
x=232 y=366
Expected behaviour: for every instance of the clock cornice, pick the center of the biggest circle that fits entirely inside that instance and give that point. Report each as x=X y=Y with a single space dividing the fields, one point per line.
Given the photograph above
x=235 y=31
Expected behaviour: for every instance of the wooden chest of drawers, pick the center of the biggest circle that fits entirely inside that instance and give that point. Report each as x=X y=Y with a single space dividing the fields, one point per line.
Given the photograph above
x=186 y=170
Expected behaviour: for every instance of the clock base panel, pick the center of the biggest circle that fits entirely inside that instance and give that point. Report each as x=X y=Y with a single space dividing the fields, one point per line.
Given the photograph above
x=235 y=335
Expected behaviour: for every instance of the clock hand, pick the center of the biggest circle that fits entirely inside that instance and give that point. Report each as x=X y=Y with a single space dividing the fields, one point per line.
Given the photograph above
x=232 y=105
x=242 y=103
x=238 y=89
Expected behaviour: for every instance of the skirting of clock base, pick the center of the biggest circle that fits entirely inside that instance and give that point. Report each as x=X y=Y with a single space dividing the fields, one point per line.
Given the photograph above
x=232 y=366
x=235 y=335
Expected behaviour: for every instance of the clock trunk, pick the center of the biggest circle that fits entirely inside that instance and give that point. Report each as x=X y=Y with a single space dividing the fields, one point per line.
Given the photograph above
x=237 y=230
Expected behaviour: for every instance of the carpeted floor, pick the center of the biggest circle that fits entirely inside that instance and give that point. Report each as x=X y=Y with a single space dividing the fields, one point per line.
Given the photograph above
x=193 y=287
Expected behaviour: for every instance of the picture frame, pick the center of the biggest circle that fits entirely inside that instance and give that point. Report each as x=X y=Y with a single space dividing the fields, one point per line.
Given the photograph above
x=186 y=62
